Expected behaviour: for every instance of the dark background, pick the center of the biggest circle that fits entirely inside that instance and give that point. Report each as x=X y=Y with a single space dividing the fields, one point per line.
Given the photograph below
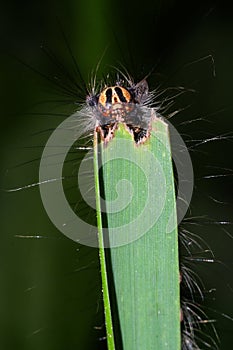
x=50 y=293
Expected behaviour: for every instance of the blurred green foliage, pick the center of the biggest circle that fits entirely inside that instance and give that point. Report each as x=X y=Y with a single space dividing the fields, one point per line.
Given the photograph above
x=50 y=295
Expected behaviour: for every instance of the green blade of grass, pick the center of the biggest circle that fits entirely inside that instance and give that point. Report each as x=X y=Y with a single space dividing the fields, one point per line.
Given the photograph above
x=143 y=238
x=106 y=299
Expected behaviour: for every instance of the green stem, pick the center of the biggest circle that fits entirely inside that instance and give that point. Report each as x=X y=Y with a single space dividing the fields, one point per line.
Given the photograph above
x=106 y=299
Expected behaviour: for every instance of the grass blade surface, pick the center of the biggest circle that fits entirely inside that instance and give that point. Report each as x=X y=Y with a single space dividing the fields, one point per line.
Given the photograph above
x=141 y=214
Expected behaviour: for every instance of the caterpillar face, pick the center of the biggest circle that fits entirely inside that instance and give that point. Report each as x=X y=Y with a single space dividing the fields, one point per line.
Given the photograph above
x=115 y=102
